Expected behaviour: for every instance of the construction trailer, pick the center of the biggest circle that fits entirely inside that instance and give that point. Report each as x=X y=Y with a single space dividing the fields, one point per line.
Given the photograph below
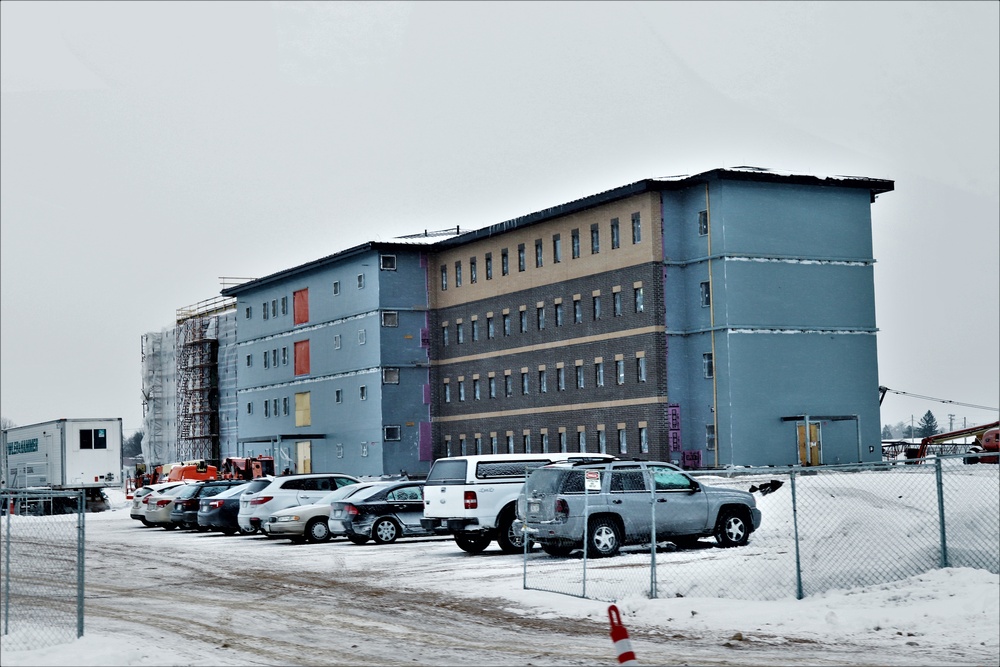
x=64 y=455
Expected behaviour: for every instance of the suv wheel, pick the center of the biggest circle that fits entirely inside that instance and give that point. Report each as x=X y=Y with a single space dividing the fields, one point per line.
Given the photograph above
x=603 y=538
x=473 y=543
x=732 y=529
x=317 y=530
x=510 y=542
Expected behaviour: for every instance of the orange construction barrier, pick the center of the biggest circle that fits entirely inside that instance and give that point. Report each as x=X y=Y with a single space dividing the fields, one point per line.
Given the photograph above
x=619 y=635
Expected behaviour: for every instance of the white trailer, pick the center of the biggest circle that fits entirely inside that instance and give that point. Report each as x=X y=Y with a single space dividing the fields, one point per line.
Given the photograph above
x=64 y=454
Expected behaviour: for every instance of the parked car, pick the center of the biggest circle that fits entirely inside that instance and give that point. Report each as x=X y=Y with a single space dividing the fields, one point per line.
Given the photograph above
x=474 y=497
x=141 y=495
x=309 y=522
x=159 y=504
x=609 y=505
x=382 y=512
x=287 y=491
x=184 y=512
x=220 y=511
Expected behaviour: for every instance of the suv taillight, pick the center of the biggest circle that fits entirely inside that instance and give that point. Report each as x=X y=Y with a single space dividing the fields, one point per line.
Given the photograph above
x=562 y=509
x=471 y=502
x=260 y=500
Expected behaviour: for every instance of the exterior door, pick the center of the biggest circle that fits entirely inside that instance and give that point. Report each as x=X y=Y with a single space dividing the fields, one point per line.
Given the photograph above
x=303 y=457
x=679 y=509
x=809 y=450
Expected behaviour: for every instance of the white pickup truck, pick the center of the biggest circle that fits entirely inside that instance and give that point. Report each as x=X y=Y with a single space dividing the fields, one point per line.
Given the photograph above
x=475 y=497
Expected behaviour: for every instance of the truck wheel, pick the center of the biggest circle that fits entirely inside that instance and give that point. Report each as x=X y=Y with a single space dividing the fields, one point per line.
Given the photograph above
x=732 y=529
x=473 y=543
x=604 y=539
x=509 y=541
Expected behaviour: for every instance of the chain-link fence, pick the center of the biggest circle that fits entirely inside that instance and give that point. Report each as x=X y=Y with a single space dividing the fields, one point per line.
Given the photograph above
x=41 y=568
x=823 y=528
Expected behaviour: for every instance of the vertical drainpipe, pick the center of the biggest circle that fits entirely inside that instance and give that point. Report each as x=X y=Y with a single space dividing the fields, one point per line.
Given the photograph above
x=711 y=315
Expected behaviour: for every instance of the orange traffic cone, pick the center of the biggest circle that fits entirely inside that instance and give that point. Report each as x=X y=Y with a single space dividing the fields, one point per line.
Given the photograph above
x=619 y=635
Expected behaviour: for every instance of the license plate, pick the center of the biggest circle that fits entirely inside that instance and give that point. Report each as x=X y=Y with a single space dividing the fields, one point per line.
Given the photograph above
x=534 y=507
x=336 y=512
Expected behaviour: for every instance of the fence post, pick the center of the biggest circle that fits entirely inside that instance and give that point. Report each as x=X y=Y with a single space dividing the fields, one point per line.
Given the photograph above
x=9 y=500
x=795 y=525
x=80 y=542
x=940 y=498
x=652 y=536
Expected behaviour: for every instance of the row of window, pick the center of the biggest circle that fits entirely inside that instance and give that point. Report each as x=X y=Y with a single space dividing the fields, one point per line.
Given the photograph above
x=561 y=442
x=493 y=383
x=557 y=253
x=540 y=316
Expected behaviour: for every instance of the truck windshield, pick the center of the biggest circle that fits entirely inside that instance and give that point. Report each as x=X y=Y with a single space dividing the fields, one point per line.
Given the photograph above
x=447 y=472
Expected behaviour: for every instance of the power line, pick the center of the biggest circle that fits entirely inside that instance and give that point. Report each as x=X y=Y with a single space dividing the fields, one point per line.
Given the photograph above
x=939 y=400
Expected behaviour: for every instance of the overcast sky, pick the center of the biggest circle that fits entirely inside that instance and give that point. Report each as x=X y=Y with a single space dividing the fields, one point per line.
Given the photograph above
x=150 y=148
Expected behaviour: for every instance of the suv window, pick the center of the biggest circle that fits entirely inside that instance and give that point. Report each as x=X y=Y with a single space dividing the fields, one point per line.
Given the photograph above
x=257 y=485
x=294 y=484
x=667 y=479
x=626 y=480
x=447 y=472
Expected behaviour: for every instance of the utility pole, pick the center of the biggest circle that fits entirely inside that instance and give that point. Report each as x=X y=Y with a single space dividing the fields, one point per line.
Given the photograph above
x=951 y=422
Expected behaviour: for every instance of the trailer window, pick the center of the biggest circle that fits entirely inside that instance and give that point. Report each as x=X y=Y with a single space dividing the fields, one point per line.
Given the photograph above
x=93 y=438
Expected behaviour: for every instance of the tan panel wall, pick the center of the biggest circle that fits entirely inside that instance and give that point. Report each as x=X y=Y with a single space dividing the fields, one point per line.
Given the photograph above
x=649 y=249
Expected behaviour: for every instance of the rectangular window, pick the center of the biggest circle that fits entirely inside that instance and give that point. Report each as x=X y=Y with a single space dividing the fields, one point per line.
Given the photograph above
x=284 y=406
x=266 y=360
x=581 y=441
x=538 y=254
x=336 y=288
x=643 y=440
x=597 y=307
x=479 y=445
x=363 y=392
x=504 y=262
x=523 y=320
x=93 y=438
x=475 y=389
x=249 y=360
x=599 y=373
x=392 y=433
x=510 y=443
x=336 y=341
x=493 y=387
x=616 y=240
x=559 y=313
x=387 y=262
x=249 y=408
x=248 y=313
x=708 y=365
x=602 y=442
x=521 y=259
x=390 y=376
x=461 y=390
x=338 y=395
x=575 y=243
x=579 y=377
x=617 y=302
x=640 y=369
x=526 y=443
x=300 y=306
x=556 y=249
x=274 y=357
x=561 y=378
x=447 y=392
x=362 y=336
x=562 y=441
x=444 y=277
x=703 y=223
x=710 y=437
x=361 y=281
x=595 y=239
x=390 y=318
x=622 y=444
x=284 y=305
x=706 y=294
x=493 y=445
x=636 y=229
x=274 y=307
x=264 y=310
x=303 y=409
x=545 y=441
x=490 y=332
x=577 y=311
x=267 y=408
x=473 y=274
x=458 y=274
x=524 y=384
x=639 y=306
x=301 y=351
x=459 y=333
x=444 y=335
x=543 y=382
x=506 y=324
x=284 y=356
x=540 y=317
x=489 y=266
x=508 y=385
x=475 y=330
x=620 y=371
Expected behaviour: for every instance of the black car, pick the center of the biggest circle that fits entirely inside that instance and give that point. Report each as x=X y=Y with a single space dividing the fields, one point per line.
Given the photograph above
x=184 y=512
x=382 y=512
x=220 y=512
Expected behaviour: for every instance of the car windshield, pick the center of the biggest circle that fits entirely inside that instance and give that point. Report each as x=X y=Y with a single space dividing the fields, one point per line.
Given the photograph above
x=343 y=492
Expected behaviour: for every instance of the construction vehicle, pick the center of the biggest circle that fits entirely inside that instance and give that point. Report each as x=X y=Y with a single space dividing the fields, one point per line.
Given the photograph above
x=985 y=440
x=247 y=468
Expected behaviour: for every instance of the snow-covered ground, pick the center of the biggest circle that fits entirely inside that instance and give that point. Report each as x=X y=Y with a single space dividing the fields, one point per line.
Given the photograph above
x=186 y=598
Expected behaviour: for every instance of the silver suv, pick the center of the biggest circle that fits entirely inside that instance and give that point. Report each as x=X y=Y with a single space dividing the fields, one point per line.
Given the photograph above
x=601 y=507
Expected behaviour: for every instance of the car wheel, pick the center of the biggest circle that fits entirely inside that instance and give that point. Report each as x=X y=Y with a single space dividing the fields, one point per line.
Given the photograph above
x=317 y=530
x=604 y=539
x=510 y=542
x=357 y=539
x=557 y=550
x=385 y=531
x=473 y=543
x=732 y=529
